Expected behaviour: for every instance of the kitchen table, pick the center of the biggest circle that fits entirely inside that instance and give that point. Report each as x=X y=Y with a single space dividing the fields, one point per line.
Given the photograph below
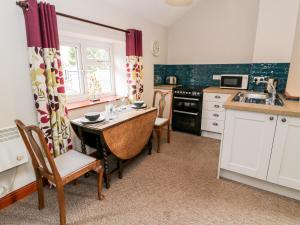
x=124 y=137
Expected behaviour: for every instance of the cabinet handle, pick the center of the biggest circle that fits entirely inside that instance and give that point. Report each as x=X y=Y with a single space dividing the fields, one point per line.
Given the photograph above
x=283 y=120
x=216 y=115
x=215 y=124
x=217 y=106
x=217 y=96
x=271 y=118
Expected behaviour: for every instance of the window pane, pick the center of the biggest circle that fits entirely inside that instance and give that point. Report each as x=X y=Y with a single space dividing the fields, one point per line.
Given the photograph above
x=99 y=79
x=98 y=54
x=70 y=68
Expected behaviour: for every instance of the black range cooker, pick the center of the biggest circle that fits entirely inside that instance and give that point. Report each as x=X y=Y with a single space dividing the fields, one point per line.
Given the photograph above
x=187 y=109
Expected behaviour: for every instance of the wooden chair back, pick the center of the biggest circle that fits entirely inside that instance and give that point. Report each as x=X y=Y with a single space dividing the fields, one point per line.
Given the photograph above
x=36 y=145
x=162 y=102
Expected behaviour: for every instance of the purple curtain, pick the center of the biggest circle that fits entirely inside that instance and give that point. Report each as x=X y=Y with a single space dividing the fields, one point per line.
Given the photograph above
x=46 y=75
x=134 y=43
x=134 y=64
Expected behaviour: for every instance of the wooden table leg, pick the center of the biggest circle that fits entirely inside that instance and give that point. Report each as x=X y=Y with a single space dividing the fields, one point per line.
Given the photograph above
x=104 y=154
x=150 y=144
x=106 y=168
x=83 y=147
x=120 y=167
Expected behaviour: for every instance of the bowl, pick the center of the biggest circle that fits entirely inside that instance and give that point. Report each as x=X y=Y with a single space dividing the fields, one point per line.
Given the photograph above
x=138 y=103
x=92 y=116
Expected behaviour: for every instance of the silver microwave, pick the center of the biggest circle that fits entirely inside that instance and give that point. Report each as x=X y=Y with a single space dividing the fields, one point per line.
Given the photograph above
x=234 y=81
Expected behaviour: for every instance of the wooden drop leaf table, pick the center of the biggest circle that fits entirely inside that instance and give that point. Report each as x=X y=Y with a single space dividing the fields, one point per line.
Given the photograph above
x=124 y=137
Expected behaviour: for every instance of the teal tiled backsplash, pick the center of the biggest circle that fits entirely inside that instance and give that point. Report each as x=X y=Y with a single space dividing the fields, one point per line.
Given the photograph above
x=202 y=74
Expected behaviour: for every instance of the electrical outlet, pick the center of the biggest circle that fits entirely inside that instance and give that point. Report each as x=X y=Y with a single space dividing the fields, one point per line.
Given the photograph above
x=259 y=79
x=216 y=77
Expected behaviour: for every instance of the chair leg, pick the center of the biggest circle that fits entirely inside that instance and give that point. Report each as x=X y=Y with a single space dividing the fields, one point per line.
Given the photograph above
x=169 y=133
x=40 y=189
x=158 y=134
x=100 y=182
x=61 y=203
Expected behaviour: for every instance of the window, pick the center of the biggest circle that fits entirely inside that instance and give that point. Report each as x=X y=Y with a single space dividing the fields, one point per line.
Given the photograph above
x=88 y=69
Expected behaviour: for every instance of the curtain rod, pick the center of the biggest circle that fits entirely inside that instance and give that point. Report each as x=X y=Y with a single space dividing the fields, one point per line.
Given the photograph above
x=25 y=5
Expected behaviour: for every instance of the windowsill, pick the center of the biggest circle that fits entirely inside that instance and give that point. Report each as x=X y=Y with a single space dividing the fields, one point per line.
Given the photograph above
x=87 y=103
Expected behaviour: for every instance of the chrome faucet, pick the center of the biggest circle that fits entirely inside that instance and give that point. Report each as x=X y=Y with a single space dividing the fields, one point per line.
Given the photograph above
x=262 y=80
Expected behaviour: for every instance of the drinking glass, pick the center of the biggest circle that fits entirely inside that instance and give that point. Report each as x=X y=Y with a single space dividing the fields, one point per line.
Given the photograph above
x=123 y=103
x=109 y=109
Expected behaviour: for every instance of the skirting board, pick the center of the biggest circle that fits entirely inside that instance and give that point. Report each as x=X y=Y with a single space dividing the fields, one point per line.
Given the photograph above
x=260 y=184
x=211 y=135
x=17 y=195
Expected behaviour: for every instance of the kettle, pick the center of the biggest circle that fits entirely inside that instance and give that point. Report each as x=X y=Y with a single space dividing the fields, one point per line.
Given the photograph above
x=171 y=80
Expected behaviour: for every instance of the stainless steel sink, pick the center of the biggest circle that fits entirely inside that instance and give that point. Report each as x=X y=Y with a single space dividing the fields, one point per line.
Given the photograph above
x=257 y=98
x=256 y=95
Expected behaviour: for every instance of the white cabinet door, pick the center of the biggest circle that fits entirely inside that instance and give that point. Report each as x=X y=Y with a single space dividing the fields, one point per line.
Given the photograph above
x=285 y=160
x=247 y=142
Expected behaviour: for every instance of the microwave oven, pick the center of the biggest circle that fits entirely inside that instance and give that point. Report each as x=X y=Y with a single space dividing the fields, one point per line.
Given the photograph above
x=234 y=81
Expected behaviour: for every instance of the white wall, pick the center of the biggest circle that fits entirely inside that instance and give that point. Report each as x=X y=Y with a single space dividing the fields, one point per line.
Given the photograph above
x=216 y=31
x=234 y=31
x=275 y=31
x=293 y=85
x=15 y=91
x=16 y=94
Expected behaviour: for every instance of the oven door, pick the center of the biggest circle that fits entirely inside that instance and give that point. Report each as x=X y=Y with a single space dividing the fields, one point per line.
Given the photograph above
x=186 y=122
x=231 y=82
x=191 y=105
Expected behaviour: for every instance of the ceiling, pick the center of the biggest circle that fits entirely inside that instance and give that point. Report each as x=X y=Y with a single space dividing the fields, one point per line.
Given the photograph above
x=153 y=10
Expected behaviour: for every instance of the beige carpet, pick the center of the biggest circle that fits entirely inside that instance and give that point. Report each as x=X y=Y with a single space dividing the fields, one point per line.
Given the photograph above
x=175 y=187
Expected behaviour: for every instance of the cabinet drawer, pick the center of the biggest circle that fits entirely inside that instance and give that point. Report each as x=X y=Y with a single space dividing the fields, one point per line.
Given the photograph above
x=212 y=125
x=213 y=115
x=214 y=97
x=213 y=106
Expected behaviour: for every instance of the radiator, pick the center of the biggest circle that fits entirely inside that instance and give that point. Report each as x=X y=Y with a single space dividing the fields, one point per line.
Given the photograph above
x=12 y=149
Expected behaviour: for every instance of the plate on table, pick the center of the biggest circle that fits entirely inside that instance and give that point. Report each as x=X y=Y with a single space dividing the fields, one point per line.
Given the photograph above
x=141 y=107
x=84 y=120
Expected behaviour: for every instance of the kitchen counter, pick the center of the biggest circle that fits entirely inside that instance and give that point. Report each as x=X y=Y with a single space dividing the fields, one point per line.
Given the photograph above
x=218 y=90
x=165 y=86
x=290 y=108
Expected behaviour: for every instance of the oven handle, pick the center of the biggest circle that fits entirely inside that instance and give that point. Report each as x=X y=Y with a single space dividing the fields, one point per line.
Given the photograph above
x=183 y=112
x=191 y=99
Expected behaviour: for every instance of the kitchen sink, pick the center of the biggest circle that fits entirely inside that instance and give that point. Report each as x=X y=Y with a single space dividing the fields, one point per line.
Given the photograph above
x=257 y=98
x=261 y=96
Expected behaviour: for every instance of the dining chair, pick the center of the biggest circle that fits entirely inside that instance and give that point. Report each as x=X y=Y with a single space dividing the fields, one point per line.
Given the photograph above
x=162 y=121
x=58 y=171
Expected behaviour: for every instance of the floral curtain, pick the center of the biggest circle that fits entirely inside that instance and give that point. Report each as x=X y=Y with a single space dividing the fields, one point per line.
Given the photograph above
x=134 y=64
x=46 y=75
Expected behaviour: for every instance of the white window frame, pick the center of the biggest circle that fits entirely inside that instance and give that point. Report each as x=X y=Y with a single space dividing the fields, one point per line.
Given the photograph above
x=82 y=44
